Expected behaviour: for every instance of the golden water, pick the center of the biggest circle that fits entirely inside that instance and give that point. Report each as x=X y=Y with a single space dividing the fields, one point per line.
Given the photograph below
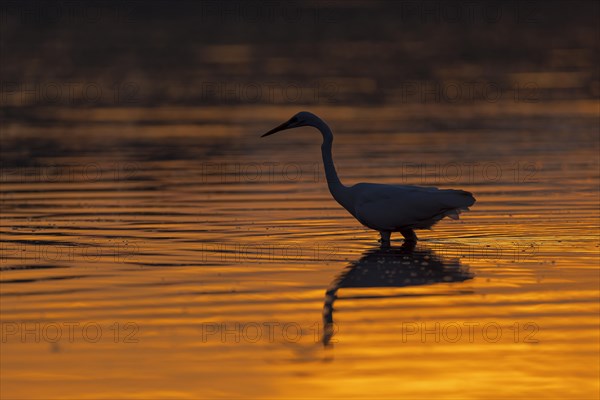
x=192 y=261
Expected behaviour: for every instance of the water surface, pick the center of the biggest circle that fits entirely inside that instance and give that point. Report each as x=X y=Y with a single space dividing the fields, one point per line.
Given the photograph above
x=185 y=257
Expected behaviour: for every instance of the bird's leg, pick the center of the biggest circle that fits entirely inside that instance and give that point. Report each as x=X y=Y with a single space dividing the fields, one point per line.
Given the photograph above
x=385 y=238
x=409 y=235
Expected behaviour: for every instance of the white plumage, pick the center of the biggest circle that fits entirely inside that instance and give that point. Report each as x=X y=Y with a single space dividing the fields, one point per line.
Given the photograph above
x=391 y=207
x=384 y=208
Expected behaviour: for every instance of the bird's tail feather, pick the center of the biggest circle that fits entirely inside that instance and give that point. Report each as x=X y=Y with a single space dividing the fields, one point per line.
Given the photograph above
x=457 y=202
x=455 y=214
x=460 y=199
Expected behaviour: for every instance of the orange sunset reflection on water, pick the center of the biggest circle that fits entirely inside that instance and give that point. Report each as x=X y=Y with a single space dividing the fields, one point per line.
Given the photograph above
x=202 y=261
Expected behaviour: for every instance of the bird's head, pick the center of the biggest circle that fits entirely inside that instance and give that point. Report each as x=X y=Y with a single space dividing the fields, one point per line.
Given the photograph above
x=303 y=118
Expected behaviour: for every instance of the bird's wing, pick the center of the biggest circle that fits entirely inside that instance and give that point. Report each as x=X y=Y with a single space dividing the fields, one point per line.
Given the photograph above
x=390 y=207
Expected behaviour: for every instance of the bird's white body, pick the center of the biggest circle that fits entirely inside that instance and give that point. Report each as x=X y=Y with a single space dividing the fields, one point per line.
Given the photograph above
x=384 y=208
x=391 y=208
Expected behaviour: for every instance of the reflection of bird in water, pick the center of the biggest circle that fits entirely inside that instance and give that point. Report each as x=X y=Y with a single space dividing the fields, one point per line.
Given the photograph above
x=384 y=208
x=392 y=267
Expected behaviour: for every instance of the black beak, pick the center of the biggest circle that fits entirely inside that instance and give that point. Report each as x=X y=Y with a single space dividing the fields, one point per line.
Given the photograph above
x=277 y=129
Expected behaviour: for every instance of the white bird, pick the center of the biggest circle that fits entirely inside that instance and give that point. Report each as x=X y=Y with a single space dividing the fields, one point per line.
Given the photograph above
x=384 y=208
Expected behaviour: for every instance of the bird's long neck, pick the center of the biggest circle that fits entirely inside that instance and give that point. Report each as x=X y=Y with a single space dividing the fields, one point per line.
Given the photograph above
x=335 y=185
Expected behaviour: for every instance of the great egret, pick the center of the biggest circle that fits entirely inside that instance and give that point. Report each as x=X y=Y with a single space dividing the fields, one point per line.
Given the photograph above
x=384 y=208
